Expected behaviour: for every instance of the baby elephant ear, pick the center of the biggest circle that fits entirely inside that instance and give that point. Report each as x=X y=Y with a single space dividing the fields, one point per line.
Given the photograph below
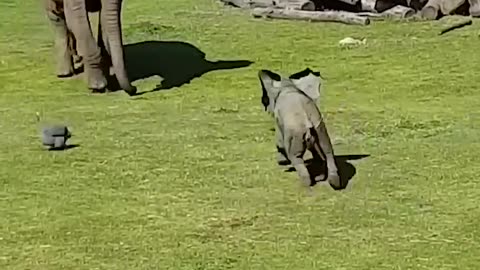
x=308 y=82
x=267 y=80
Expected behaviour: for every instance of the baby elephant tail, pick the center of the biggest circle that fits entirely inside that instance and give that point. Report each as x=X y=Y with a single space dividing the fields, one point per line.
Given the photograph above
x=312 y=139
x=316 y=145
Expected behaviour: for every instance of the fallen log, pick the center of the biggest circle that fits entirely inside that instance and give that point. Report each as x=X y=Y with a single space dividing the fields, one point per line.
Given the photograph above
x=350 y=2
x=247 y=4
x=371 y=15
x=398 y=11
x=296 y=5
x=313 y=16
x=383 y=5
x=286 y=4
x=236 y=3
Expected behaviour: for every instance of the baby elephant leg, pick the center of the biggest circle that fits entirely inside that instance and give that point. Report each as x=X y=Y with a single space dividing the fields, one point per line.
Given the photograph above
x=296 y=148
x=302 y=171
x=318 y=160
x=326 y=146
x=281 y=154
x=282 y=159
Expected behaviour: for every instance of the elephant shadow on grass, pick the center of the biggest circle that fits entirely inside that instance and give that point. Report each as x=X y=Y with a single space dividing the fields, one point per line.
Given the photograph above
x=346 y=170
x=175 y=61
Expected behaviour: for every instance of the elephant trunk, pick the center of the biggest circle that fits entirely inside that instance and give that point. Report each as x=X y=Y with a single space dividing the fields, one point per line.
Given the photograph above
x=111 y=12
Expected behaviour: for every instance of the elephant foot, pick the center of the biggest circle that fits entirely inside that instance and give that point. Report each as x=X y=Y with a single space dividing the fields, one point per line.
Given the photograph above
x=96 y=80
x=65 y=70
x=64 y=75
x=98 y=91
x=334 y=181
x=282 y=161
x=114 y=86
x=131 y=91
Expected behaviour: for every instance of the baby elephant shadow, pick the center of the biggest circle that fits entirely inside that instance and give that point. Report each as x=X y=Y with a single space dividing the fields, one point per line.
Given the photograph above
x=176 y=62
x=346 y=170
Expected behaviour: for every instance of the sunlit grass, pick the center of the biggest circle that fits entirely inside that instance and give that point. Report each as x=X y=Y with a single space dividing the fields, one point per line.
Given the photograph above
x=187 y=179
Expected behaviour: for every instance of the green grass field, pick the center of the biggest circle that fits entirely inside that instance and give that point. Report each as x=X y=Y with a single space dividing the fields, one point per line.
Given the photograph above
x=186 y=178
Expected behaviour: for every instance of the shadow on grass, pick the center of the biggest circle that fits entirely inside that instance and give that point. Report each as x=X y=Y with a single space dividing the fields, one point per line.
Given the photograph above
x=67 y=147
x=346 y=170
x=176 y=62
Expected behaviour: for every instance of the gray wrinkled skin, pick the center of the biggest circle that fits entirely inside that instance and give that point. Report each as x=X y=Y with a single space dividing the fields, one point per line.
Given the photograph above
x=55 y=136
x=298 y=122
x=74 y=40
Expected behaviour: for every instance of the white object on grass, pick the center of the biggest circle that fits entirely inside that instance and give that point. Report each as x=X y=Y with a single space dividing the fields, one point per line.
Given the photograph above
x=349 y=41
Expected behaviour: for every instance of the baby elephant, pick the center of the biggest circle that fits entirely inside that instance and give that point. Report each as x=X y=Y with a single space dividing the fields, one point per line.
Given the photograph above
x=298 y=122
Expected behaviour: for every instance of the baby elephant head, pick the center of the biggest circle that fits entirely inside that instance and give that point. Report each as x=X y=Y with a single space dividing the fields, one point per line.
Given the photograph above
x=307 y=81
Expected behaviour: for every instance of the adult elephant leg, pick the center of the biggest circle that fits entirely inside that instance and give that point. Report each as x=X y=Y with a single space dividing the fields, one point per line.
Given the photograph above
x=282 y=158
x=105 y=50
x=77 y=19
x=102 y=42
x=72 y=43
x=63 y=54
x=111 y=21
x=102 y=39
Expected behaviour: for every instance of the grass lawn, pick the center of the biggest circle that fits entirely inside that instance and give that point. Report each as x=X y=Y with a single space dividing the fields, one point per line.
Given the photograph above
x=186 y=178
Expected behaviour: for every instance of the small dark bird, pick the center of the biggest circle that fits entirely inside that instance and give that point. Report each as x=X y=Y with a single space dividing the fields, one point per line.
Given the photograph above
x=55 y=136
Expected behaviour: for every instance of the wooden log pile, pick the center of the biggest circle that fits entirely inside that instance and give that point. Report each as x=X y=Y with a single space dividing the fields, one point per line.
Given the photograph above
x=278 y=4
x=356 y=12
x=312 y=16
